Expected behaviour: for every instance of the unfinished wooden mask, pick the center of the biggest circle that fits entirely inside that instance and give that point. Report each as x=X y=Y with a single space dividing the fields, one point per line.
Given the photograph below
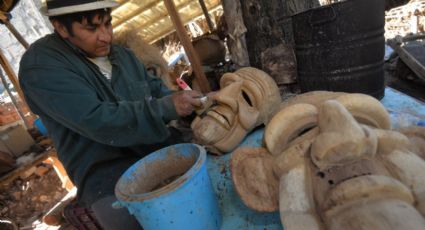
x=248 y=98
x=342 y=175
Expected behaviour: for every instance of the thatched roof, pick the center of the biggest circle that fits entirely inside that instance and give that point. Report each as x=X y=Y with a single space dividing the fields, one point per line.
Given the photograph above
x=151 y=16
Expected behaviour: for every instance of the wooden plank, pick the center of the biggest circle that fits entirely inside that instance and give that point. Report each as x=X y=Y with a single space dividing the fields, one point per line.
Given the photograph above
x=61 y=172
x=187 y=44
x=410 y=60
x=54 y=215
x=413 y=37
x=9 y=177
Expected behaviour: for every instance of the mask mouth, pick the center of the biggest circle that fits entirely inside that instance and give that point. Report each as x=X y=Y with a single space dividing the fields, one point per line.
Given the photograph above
x=219 y=117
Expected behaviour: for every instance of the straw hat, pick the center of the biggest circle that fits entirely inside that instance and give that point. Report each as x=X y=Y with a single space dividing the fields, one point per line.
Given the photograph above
x=60 y=7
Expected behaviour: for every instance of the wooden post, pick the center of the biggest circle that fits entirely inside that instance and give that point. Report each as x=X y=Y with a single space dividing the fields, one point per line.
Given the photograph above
x=187 y=44
x=4 y=19
x=12 y=77
x=11 y=74
x=20 y=112
x=207 y=16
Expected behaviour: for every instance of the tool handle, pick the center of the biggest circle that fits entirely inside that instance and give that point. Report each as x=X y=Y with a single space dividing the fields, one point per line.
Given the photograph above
x=182 y=84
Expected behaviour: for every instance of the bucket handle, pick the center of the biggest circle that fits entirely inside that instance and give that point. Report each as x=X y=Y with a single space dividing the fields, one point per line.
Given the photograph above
x=117 y=205
x=322 y=15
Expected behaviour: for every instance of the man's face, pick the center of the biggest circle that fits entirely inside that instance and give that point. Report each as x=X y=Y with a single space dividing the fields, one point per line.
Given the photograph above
x=93 y=38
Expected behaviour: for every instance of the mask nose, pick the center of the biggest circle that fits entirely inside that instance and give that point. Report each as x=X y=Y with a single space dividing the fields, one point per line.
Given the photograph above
x=229 y=95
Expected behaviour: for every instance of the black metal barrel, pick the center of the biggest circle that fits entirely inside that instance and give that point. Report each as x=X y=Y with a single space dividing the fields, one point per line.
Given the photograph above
x=340 y=47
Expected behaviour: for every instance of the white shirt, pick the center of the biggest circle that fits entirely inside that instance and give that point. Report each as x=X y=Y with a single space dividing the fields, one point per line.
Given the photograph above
x=104 y=65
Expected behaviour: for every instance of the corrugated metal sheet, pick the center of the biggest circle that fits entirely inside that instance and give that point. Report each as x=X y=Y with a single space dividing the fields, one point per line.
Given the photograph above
x=151 y=16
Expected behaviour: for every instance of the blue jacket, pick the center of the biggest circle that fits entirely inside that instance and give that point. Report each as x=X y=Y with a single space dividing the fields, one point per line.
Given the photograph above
x=95 y=123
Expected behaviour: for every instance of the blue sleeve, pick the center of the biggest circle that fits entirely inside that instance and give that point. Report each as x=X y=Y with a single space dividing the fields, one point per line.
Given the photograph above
x=156 y=84
x=70 y=100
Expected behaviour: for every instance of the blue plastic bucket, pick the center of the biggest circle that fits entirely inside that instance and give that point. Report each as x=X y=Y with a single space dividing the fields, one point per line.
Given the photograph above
x=170 y=189
x=39 y=125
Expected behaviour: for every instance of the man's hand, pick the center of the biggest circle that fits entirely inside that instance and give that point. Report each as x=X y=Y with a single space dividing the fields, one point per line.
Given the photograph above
x=186 y=101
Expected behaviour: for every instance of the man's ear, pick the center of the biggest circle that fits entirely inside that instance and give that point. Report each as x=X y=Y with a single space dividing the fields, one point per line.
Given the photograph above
x=61 y=29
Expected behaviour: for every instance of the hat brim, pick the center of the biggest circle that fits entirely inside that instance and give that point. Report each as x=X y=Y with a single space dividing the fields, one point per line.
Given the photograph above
x=78 y=8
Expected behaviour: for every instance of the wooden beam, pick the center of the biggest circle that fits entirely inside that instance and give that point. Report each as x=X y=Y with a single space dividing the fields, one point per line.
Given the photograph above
x=207 y=16
x=6 y=66
x=134 y=13
x=412 y=37
x=122 y=1
x=411 y=61
x=165 y=33
x=12 y=77
x=187 y=44
x=11 y=74
x=4 y=19
x=155 y=19
x=14 y=102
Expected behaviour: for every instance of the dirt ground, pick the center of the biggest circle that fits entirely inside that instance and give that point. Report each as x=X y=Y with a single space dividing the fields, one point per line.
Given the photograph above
x=30 y=196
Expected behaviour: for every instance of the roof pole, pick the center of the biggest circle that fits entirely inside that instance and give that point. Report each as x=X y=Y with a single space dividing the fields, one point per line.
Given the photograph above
x=207 y=16
x=15 y=103
x=12 y=77
x=5 y=20
x=187 y=44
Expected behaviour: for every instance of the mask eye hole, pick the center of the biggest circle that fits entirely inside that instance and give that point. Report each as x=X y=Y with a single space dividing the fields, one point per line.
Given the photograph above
x=246 y=97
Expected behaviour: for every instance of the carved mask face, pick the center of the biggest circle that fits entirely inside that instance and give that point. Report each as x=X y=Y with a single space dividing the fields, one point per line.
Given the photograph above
x=247 y=99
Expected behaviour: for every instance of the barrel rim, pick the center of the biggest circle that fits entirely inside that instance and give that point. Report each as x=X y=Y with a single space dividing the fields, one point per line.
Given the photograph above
x=346 y=2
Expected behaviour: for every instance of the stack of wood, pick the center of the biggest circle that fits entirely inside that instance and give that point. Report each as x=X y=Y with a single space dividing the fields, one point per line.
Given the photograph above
x=406 y=19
